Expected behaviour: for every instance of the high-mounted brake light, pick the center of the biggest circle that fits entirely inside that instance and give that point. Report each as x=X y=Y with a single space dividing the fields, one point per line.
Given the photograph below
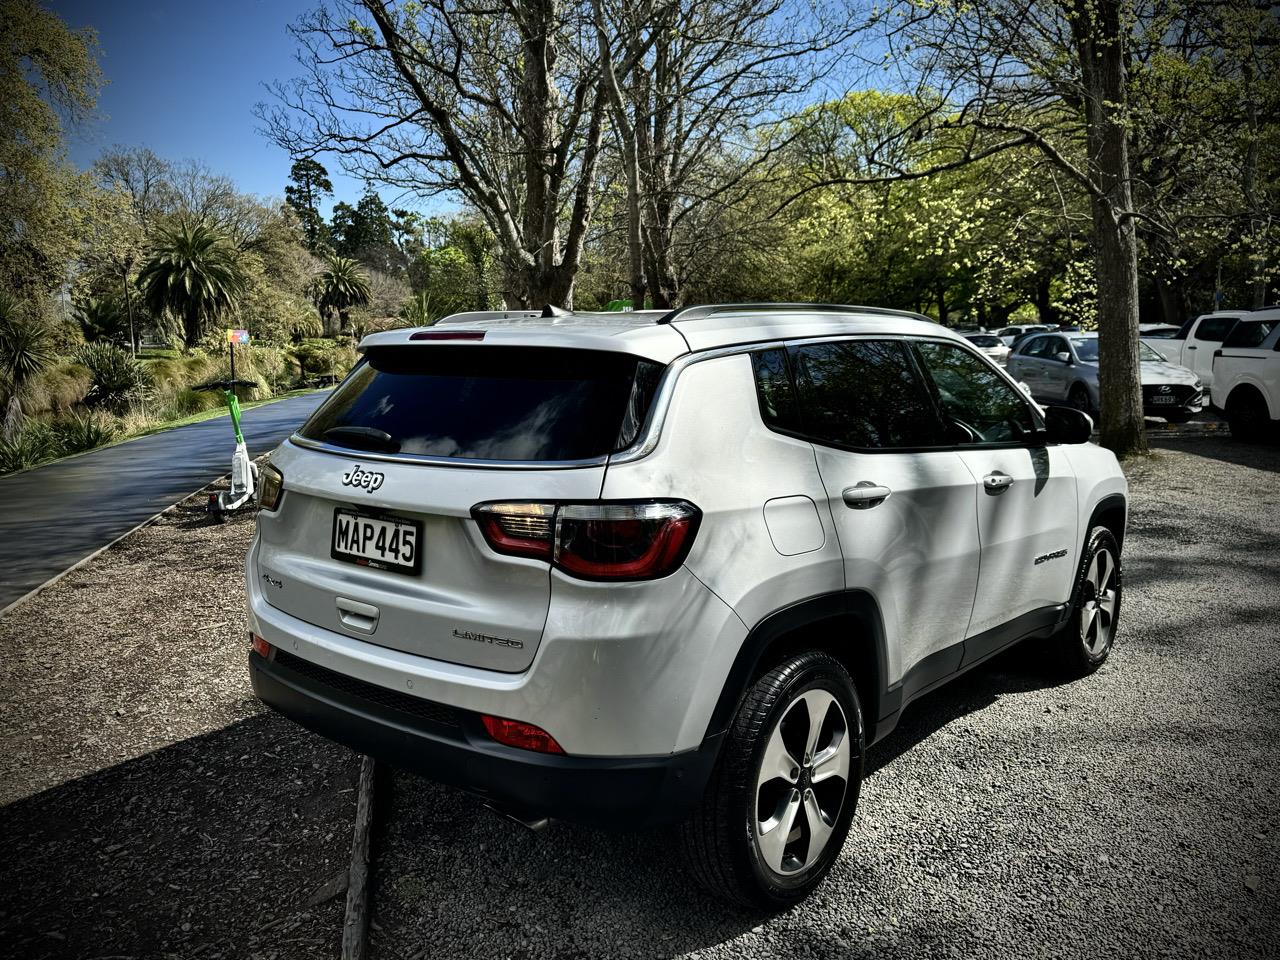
x=515 y=733
x=594 y=541
x=447 y=335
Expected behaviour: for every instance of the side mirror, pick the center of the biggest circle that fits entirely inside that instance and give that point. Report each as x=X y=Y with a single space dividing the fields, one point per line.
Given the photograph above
x=1067 y=425
x=1062 y=357
x=1024 y=387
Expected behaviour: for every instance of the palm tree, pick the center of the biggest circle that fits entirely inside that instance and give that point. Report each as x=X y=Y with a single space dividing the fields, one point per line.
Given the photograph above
x=24 y=352
x=343 y=285
x=192 y=274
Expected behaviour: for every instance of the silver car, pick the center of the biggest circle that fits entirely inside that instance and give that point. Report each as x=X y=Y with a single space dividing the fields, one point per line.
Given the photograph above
x=683 y=568
x=1062 y=367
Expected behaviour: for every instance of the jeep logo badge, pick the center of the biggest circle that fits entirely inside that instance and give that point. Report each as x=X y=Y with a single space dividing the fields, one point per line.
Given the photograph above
x=358 y=476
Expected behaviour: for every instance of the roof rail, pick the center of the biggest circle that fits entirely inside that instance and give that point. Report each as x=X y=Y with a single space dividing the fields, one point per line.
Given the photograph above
x=474 y=316
x=710 y=310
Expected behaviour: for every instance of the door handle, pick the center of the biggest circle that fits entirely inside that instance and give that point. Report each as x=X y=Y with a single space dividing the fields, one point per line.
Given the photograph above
x=864 y=494
x=997 y=482
x=1192 y=346
x=357 y=616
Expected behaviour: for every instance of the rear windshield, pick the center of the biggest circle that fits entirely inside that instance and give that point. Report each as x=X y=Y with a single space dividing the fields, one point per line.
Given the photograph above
x=489 y=403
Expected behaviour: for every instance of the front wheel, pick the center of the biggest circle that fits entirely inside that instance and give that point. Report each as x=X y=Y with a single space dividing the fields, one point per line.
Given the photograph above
x=779 y=804
x=1086 y=642
x=1079 y=398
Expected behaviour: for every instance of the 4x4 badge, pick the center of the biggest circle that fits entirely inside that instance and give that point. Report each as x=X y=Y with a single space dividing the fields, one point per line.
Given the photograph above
x=358 y=476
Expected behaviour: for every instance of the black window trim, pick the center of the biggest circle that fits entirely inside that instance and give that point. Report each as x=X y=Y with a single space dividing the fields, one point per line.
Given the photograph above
x=1036 y=441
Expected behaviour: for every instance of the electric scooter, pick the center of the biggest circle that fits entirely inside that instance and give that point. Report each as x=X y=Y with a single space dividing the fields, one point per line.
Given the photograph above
x=244 y=472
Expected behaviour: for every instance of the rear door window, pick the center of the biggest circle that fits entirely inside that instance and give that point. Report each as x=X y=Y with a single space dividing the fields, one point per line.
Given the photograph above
x=863 y=394
x=1249 y=333
x=489 y=403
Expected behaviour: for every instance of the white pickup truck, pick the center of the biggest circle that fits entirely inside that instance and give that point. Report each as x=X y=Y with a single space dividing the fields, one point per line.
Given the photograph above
x=1246 y=375
x=1193 y=345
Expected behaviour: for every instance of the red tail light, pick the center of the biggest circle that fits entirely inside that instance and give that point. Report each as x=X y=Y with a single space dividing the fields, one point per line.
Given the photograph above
x=523 y=735
x=594 y=541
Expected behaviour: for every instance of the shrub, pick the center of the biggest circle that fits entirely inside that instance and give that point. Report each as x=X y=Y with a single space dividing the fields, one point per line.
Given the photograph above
x=34 y=443
x=84 y=431
x=118 y=379
x=58 y=389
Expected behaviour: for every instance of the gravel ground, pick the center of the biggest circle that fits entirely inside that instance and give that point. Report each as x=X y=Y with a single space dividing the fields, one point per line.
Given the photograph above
x=1134 y=813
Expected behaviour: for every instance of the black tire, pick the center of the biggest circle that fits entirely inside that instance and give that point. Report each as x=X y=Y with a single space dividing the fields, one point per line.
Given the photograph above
x=1247 y=415
x=720 y=838
x=1078 y=397
x=1077 y=656
x=214 y=509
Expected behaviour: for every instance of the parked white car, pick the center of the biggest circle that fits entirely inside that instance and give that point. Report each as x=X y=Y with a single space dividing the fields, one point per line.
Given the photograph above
x=682 y=568
x=1246 y=375
x=1193 y=345
x=989 y=345
x=1064 y=367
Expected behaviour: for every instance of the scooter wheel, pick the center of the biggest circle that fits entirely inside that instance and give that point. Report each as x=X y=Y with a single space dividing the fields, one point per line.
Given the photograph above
x=214 y=508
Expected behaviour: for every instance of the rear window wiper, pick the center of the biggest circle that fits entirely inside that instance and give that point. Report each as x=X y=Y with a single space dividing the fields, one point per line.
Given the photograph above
x=363 y=438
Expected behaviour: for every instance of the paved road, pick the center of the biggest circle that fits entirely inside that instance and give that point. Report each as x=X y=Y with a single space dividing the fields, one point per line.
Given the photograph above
x=55 y=515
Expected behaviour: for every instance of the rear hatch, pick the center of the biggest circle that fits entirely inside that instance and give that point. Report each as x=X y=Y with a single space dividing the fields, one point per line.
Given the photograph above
x=373 y=536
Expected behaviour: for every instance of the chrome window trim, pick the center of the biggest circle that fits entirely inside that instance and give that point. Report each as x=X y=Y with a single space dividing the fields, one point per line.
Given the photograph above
x=651 y=432
x=422 y=459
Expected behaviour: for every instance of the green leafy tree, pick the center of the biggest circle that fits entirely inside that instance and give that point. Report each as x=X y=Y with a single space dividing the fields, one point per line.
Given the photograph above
x=47 y=73
x=102 y=319
x=341 y=286
x=366 y=233
x=25 y=351
x=192 y=274
x=308 y=184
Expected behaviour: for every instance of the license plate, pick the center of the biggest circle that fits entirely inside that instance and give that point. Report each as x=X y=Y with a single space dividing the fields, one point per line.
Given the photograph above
x=1163 y=399
x=382 y=542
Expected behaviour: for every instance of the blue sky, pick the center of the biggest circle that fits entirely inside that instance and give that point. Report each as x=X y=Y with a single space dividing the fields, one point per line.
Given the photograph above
x=183 y=78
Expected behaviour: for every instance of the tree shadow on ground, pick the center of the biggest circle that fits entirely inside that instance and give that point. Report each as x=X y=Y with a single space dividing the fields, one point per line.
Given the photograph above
x=1260 y=455
x=449 y=869
x=212 y=847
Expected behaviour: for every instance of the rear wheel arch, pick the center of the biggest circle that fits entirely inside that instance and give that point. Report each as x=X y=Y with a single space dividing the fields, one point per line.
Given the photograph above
x=846 y=625
x=1248 y=393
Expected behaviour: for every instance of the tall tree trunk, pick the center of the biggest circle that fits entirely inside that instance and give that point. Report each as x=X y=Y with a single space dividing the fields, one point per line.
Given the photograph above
x=1043 y=302
x=1098 y=27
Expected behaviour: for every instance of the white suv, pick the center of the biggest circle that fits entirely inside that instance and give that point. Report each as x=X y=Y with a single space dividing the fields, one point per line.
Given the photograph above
x=634 y=569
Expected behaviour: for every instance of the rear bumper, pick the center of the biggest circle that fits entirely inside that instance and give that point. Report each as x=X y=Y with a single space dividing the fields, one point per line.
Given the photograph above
x=450 y=746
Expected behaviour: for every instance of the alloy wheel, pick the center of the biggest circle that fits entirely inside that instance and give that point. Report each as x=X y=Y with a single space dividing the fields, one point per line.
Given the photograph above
x=802 y=783
x=1098 y=602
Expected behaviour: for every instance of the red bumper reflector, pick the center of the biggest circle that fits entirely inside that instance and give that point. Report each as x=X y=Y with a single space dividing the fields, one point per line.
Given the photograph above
x=260 y=646
x=523 y=735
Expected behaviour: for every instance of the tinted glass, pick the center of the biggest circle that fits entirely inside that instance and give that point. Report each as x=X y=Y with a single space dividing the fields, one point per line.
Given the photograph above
x=488 y=403
x=1038 y=347
x=974 y=396
x=775 y=389
x=1249 y=333
x=1216 y=329
x=864 y=394
x=984 y=341
x=1087 y=348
